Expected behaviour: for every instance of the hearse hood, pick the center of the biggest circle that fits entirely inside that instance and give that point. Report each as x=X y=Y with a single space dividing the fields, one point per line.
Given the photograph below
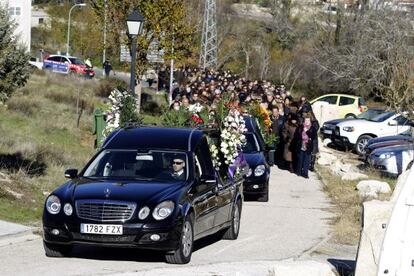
x=136 y=191
x=254 y=159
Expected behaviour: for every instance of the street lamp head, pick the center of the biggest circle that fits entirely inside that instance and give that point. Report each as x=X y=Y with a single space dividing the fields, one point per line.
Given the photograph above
x=135 y=22
x=82 y=4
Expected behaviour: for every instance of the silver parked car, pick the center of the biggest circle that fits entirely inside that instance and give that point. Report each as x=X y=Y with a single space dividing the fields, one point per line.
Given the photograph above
x=392 y=160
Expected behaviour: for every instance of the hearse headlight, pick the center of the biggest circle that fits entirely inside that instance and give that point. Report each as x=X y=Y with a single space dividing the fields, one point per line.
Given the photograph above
x=53 y=204
x=68 y=209
x=260 y=170
x=163 y=210
x=348 y=128
x=386 y=155
x=144 y=212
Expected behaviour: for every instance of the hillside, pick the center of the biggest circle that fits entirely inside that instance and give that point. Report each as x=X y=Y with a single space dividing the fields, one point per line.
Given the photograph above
x=40 y=139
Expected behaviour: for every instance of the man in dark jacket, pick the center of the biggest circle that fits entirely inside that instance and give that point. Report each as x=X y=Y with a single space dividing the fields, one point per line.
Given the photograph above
x=276 y=153
x=304 y=106
x=107 y=67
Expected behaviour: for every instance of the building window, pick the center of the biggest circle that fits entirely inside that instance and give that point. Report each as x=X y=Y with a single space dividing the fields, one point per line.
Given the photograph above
x=15 y=11
x=41 y=20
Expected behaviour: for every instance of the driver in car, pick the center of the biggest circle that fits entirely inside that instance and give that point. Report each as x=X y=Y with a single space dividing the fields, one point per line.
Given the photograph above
x=178 y=166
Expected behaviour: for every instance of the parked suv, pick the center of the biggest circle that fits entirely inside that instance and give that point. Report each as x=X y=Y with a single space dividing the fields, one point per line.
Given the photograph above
x=356 y=133
x=68 y=65
x=328 y=128
x=147 y=187
x=348 y=106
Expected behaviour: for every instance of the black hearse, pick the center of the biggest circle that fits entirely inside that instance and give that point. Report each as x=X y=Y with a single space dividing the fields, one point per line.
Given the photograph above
x=147 y=187
x=256 y=181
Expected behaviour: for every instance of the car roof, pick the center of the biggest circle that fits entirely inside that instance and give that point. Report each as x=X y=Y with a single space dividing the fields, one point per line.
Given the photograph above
x=182 y=139
x=334 y=94
x=62 y=56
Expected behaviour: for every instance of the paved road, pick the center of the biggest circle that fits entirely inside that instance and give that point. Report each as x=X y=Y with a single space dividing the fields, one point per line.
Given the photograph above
x=293 y=222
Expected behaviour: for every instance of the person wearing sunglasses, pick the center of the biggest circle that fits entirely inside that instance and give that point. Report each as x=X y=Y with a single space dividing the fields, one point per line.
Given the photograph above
x=178 y=166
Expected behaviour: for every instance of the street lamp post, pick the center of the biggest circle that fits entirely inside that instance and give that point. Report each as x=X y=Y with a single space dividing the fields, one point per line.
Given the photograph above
x=68 y=35
x=135 y=22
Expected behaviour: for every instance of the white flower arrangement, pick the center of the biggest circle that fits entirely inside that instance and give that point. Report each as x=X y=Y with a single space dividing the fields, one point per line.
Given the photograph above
x=113 y=116
x=232 y=138
x=214 y=155
x=195 y=108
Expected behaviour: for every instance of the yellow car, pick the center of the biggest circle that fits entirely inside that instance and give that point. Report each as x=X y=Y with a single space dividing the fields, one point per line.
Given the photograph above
x=348 y=106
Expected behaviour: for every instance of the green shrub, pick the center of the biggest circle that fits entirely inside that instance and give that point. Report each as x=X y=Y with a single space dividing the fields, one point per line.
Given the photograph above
x=151 y=108
x=14 y=68
x=108 y=85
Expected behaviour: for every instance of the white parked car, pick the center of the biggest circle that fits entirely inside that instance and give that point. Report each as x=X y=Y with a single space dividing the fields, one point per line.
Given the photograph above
x=356 y=133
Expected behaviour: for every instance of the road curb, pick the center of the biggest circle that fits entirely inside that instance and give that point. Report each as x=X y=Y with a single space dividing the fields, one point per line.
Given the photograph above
x=252 y=268
x=10 y=230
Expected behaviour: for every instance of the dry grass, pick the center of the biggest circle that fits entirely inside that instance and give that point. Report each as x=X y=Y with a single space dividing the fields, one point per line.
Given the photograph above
x=25 y=106
x=343 y=194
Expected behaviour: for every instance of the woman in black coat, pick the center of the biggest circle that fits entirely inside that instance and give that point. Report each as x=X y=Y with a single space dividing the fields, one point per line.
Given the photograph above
x=303 y=146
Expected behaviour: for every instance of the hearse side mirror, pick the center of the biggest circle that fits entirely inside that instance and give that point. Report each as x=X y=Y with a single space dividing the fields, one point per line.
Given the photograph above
x=71 y=173
x=392 y=123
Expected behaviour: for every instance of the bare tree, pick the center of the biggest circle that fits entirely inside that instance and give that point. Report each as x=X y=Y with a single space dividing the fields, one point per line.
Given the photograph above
x=373 y=53
x=282 y=24
x=263 y=50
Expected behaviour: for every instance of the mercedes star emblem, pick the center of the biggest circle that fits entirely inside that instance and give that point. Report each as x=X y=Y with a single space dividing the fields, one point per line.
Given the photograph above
x=107 y=192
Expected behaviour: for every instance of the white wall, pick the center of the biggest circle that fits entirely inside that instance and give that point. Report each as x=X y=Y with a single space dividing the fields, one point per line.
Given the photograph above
x=21 y=12
x=40 y=15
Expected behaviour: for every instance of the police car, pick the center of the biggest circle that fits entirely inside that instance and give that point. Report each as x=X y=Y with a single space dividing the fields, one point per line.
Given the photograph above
x=68 y=65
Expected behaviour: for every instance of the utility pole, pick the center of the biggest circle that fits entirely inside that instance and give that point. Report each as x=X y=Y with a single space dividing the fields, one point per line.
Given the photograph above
x=104 y=35
x=208 y=55
x=172 y=69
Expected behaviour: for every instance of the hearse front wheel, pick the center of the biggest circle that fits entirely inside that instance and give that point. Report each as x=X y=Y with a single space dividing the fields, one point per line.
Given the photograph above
x=183 y=254
x=233 y=231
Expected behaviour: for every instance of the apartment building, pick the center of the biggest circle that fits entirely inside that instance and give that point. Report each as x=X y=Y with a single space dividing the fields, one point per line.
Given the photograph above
x=21 y=12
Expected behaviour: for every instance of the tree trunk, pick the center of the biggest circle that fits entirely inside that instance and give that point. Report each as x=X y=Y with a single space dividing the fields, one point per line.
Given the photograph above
x=338 y=23
x=246 y=75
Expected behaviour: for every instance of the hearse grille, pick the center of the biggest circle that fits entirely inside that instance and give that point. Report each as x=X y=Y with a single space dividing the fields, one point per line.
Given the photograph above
x=105 y=210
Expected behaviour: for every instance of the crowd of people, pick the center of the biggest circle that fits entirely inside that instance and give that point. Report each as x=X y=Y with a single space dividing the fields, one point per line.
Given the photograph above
x=292 y=121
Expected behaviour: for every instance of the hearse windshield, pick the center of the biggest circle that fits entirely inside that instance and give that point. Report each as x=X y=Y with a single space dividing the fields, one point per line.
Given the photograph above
x=160 y=166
